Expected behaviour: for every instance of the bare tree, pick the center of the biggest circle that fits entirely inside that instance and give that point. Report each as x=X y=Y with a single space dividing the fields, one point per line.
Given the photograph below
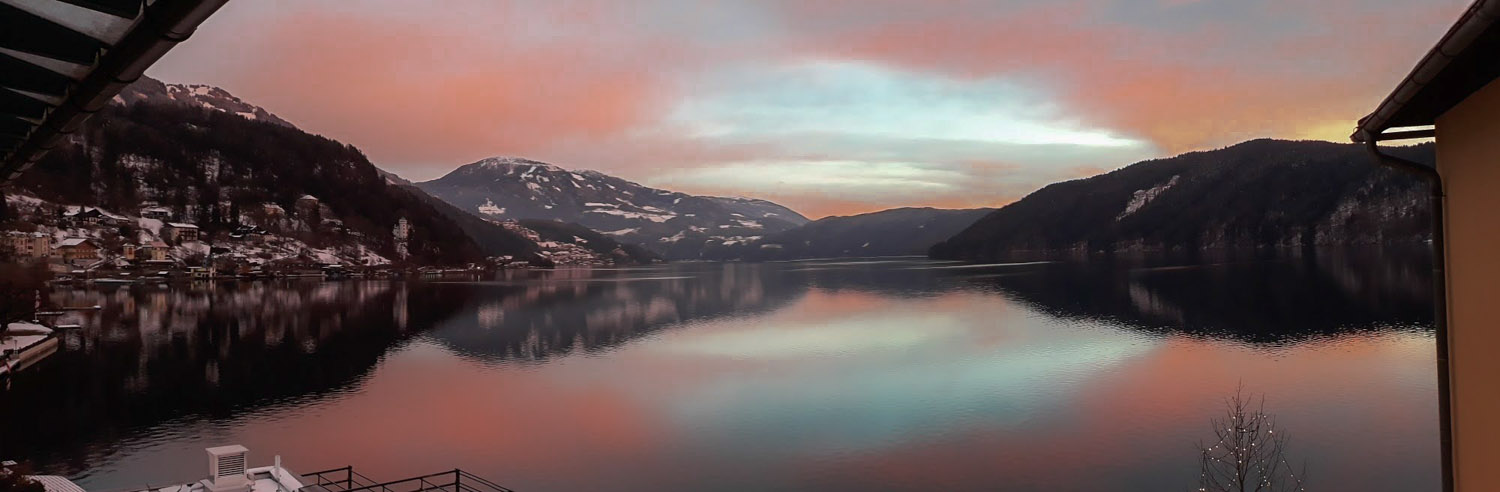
x=1250 y=453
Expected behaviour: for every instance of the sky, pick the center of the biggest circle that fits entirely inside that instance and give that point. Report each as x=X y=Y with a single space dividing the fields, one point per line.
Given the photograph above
x=830 y=107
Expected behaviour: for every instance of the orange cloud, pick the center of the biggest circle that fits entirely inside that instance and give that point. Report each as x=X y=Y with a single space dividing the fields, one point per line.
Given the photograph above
x=419 y=93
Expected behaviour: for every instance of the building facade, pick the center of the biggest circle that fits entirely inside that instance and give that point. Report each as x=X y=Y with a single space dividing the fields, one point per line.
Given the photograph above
x=1453 y=95
x=27 y=245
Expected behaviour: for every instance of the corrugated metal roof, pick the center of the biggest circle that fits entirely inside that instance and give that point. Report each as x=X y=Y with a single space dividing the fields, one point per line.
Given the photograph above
x=54 y=483
x=62 y=60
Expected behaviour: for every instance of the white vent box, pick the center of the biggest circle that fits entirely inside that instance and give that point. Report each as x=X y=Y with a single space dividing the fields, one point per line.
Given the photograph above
x=226 y=469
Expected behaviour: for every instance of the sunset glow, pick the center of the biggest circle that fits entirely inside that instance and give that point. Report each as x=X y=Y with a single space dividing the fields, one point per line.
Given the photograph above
x=830 y=107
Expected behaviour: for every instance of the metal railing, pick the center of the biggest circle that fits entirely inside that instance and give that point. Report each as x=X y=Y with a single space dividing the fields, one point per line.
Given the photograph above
x=345 y=479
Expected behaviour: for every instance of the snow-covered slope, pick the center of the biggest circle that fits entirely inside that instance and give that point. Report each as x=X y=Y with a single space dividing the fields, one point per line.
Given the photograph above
x=156 y=92
x=677 y=225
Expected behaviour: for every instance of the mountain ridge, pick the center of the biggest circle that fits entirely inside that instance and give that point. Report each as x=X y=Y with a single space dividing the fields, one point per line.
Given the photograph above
x=208 y=157
x=673 y=224
x=1254 y=194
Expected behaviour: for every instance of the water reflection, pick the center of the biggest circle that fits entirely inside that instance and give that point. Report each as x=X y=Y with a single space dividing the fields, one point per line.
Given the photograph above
x=535 y=315
x=150 y=355
x=1256 y=300
x=898 y=374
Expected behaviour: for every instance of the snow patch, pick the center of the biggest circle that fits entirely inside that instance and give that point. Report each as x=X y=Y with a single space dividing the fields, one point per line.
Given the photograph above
x=1141 y=197
x=635 y=215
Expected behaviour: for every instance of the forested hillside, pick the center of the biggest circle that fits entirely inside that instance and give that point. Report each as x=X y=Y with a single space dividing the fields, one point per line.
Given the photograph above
x=1262 y=193
x=219 y=167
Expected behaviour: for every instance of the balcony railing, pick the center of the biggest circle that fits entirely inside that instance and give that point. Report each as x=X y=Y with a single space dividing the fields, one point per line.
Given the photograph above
x=347 y=480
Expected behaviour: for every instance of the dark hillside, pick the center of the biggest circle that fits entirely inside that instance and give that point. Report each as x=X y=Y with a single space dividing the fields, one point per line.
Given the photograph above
x=1262 y=193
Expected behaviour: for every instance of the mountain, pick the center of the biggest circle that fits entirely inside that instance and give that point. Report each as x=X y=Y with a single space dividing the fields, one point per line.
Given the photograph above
x=491 y=237
x=894 y=232
x=205 y=156
x=155 y=92
x=1261 y=193
x=675 y=225
x=598 y=245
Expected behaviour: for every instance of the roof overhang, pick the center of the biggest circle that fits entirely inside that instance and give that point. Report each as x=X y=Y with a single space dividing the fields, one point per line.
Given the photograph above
x=1465 y=60
x=63 y=60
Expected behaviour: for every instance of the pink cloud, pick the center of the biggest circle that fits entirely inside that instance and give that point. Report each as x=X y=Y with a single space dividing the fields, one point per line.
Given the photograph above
x=418 y=93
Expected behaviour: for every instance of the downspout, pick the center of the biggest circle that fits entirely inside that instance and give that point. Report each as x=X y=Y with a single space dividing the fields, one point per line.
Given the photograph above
x=1439 y=294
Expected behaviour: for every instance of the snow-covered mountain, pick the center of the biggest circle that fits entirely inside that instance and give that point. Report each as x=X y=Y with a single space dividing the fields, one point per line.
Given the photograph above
x=677 y=225
x=200 y=155
x=156 y=92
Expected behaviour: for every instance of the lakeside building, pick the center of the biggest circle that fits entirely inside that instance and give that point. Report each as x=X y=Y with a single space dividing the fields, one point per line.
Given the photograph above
x=178 y=232
x=27 y=245
x=1452 y=95
x=78 y=249
x=156 y=212
x=95 y=216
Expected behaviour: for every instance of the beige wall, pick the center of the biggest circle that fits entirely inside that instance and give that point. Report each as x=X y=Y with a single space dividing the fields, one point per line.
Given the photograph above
x=1468 y=150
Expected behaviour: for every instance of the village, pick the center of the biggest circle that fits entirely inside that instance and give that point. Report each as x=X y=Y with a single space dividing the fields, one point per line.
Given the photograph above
x=91 y=244
x=83 y=244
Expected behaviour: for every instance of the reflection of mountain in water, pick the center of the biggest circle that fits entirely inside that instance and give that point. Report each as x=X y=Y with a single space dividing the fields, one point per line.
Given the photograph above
x=1265 y=300
x=154 y=355
x=537 y=315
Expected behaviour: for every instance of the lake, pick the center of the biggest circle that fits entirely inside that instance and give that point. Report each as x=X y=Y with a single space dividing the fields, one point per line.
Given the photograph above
x=836 y=375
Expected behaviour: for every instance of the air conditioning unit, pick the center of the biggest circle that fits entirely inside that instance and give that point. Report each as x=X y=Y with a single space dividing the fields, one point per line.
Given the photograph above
x=226 y=469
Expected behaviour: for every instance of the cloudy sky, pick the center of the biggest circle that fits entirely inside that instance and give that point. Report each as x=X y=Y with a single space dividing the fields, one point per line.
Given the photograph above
x=827 y=106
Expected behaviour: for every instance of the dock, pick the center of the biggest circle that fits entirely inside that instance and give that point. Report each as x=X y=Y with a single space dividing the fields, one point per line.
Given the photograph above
x=25 y=344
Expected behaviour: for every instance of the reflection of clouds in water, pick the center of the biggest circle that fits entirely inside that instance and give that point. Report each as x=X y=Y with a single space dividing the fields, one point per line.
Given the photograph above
x=867 y=376
x=879 y=331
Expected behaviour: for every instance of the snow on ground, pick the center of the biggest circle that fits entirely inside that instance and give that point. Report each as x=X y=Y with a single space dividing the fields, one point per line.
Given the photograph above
x=325 y=256
x=635 y=215
x=29 y=201
x=621 y=232
x=153 y=225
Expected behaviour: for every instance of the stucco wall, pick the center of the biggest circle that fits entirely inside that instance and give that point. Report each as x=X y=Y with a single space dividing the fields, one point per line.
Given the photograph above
x=1468 y=150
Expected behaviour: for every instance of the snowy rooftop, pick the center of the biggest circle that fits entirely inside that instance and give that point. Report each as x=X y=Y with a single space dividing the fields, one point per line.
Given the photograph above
x=181 y=225
x=73 y=211
x=22 y=335
x=73 y=241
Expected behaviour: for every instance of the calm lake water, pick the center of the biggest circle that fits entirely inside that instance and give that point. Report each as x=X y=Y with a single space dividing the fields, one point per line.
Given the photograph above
x=890 y=374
